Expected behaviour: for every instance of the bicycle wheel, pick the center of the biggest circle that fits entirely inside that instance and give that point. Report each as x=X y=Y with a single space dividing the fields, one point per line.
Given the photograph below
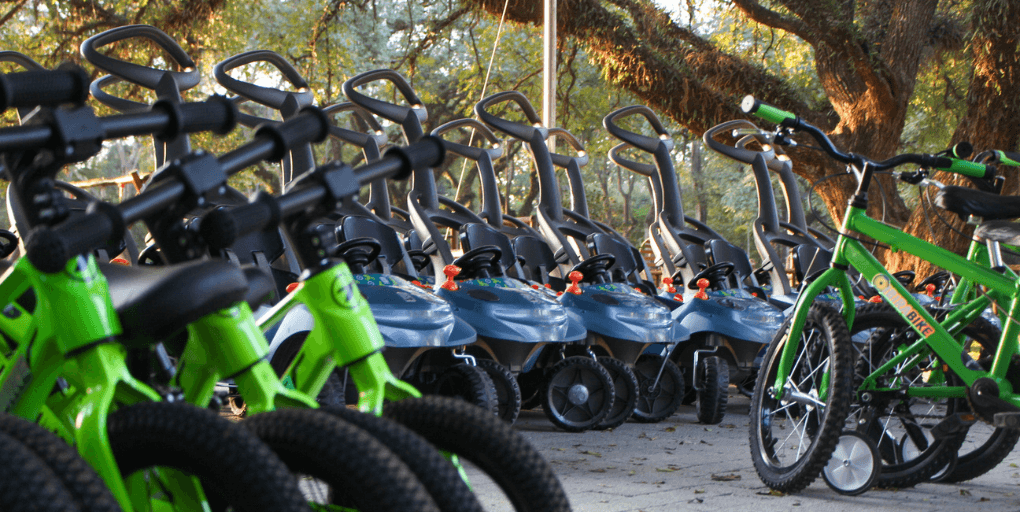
x=899 y=425
x=792 y=435
x=235 y=468
x=340 y=463
x=27 y=484
x=984 y=446
x=440 y=478
x=89 y=492
x=489 y=443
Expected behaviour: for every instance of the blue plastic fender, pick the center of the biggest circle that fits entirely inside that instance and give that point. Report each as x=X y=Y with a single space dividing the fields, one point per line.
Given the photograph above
x=506 y=309
x=410 y=317
x=747 y=319
x=617 y=311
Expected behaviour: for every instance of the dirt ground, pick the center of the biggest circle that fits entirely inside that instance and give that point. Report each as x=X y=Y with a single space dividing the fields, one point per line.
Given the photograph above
x=679 y=464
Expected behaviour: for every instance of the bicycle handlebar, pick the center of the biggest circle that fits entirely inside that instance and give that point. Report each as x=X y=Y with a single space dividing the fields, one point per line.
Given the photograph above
x=164 y=119
x=66 y=84
x=221 y=227
x=50 y=248
x=788 y=120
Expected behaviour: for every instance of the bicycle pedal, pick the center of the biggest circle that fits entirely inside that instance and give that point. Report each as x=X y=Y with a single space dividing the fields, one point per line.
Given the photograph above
x=953 y=424
x=1010 y=420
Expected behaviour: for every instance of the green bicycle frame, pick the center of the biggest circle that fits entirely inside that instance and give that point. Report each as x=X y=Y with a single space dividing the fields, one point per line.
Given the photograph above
x=345 y=335
x=938 y=336
x=230 y=344
x=71 y=331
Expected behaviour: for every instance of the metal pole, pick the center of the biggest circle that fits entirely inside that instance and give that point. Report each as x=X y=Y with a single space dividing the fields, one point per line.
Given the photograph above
x=549 y=67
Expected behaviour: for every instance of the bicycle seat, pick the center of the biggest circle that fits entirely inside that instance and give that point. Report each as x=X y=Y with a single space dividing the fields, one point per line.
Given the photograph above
x=965 y=201
x=154 y=302
x=1004 y=231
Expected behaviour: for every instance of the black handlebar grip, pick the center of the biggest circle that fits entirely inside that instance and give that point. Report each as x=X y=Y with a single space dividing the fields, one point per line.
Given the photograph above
x=962 y=150
x=309 y=126
x=49 y=249
x=216 y=114
x=66 y=84
x=220 y=228
x=427 y=152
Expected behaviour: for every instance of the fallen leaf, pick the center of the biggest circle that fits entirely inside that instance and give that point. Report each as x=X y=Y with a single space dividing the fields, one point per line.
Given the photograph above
x=599 y=470
x=631 y=473
x=589 y=452
x=964 y=492
x=669 y=429
x=1013 y=465
x=706 y=442
x=984 y=499
x=728 y=425
x=560 y=449
x=696 y=500
x=699 y=491
x=659 y=483
x=707 y=429
x=771 y=493
x=726 y=478
x=665 y=470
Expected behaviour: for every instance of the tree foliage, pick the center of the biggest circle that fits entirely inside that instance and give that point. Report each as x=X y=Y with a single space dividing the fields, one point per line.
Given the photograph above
x=882 y=76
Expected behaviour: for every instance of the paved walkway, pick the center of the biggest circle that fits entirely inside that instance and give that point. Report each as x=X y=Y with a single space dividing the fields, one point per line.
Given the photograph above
x=682 y=465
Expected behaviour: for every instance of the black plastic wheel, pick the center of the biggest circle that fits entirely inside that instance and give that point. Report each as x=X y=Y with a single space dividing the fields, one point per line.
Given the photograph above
x=234 y=467
x=27 y=484
x=440 y=478
x=347 y=465
x=625 y=387
x=502 y=453
x=508 y=392
x=578 y=394
x=901 y=426
x=469 y=383
x=713 y=377
x=793 y=433
x=657 y=400
x=854 y=466
x=87 y=489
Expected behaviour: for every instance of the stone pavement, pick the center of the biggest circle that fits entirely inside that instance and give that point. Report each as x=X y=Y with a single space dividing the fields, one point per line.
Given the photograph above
x=679 y=464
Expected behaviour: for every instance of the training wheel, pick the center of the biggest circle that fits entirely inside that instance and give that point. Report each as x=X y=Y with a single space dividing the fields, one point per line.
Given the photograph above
x=854 y=465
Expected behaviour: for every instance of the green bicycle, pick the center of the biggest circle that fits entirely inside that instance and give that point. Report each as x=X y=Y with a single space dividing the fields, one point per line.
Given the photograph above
x=806 y=385
x=63 y=365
